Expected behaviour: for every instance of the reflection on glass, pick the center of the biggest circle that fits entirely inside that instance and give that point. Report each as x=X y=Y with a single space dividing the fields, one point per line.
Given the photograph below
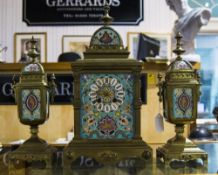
x=211 y=4
x=207 y=48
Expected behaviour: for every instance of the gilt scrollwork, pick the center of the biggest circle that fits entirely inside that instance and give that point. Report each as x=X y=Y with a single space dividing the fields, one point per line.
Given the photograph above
x=108 y=156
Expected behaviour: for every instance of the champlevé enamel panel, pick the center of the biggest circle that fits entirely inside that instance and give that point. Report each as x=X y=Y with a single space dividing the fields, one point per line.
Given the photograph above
x=106 y=36
x=107 y=106
x=182 y=103
x=31 y=103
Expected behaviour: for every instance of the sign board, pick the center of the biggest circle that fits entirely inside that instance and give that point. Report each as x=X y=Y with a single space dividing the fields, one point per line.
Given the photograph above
x=81 y=12
x=64 y=90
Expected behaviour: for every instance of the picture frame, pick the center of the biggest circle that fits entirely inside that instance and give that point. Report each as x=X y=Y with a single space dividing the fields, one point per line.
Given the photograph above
x=21 y=46
x=75 y=43
x=164 y=38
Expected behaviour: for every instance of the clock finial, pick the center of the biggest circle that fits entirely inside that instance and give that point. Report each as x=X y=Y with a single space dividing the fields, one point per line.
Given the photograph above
x=179 y=50
x=32 y=52
x=107 y=19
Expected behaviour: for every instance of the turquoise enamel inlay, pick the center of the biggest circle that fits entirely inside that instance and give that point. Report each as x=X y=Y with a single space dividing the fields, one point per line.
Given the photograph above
x=106 y=36
x=31 y=104
x=107 y=106
x=182 y=103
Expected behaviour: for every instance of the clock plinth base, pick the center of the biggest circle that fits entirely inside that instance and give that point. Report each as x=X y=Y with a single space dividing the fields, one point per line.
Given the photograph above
x=32 y=150
x=106 y=152
x=180 y=152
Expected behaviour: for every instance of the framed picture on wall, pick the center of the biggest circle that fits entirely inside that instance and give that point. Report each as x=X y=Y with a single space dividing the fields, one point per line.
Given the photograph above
x=75 y=43
x=164 y=39
x=22 y=45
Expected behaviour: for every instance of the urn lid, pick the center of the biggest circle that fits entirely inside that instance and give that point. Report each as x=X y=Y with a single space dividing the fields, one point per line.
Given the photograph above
x=33 y=67
x=178 y=64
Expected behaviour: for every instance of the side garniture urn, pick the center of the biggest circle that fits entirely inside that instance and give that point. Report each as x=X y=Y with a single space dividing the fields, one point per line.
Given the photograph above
x=32 y=95
x=180 y=92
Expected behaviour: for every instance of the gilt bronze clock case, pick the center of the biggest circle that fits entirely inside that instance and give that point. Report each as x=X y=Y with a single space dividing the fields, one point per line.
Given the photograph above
x=107 y=103
x=107 y=111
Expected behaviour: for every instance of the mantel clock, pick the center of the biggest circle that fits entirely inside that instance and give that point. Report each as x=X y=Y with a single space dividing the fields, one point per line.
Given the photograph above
x=107 y=102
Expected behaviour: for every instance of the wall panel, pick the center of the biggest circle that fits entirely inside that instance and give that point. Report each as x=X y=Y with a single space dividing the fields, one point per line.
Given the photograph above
x=157 y=18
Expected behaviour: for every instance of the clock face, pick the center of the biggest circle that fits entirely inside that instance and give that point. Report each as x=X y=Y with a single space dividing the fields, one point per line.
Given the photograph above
x=183 y=103
x=106 y=36
x=106 y=106
x=211 y=4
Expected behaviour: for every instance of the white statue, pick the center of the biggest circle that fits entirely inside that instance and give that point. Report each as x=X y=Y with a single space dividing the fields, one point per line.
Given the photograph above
x=188 y=24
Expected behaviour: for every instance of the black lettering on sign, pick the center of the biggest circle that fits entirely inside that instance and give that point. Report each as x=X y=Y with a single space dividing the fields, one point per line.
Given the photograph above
x=81 y=12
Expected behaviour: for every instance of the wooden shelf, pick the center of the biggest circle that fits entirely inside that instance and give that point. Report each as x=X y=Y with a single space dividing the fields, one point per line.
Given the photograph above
x=49 y=67
x=66 y=67
x=154 y=67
